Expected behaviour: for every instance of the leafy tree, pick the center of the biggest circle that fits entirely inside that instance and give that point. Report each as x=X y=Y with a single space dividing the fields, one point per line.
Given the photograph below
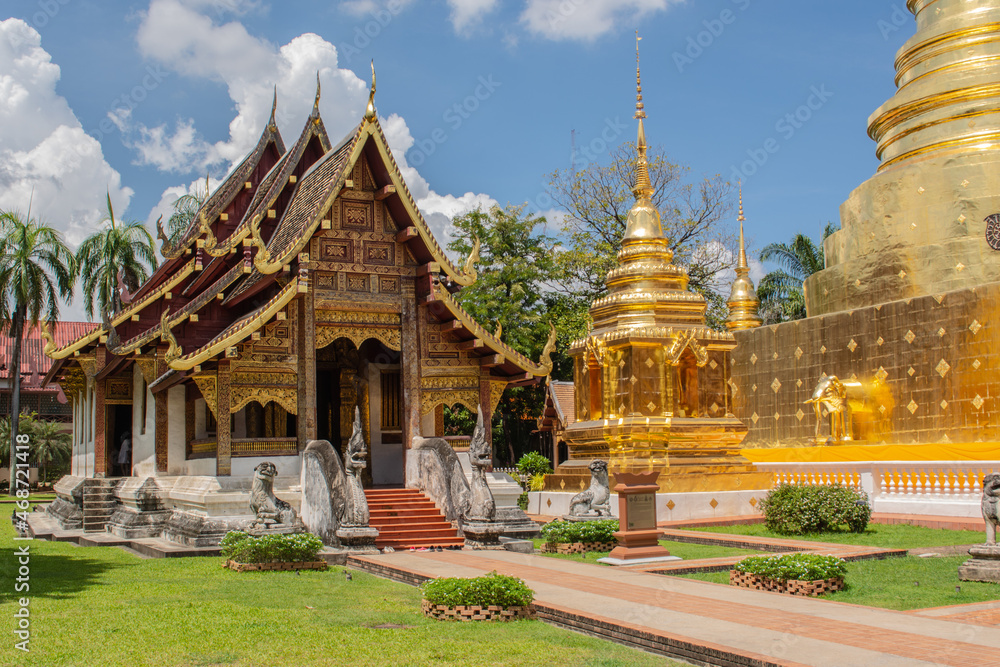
x=36 y=270
x=780 y=291
x=51 y=445
x=516 y=261
x=120 y=246
x=598 y=199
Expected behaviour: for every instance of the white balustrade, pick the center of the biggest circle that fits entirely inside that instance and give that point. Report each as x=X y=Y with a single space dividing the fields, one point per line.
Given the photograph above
x=937 y=488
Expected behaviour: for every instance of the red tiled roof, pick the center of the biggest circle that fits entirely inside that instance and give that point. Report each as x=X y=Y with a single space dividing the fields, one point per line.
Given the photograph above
x=34 y=363
x=564 y=394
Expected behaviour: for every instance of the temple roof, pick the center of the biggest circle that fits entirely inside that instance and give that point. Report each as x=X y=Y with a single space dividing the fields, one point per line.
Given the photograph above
x=560 y=406
x=34 y=363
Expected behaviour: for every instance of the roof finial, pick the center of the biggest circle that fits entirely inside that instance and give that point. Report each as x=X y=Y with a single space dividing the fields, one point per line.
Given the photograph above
x=274 y=108
x=639 y=110
x=316 y=103
x=741 y=263
x=370 y=110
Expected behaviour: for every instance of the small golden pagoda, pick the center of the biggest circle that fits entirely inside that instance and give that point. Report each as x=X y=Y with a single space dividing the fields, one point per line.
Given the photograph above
x=743 y=299
x=651 y=378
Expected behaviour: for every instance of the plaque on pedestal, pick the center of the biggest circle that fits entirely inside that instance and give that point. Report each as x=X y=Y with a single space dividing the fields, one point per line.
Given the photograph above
x=637 y=534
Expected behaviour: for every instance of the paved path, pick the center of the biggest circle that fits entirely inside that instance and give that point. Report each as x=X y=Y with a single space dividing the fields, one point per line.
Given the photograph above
x=711 y=623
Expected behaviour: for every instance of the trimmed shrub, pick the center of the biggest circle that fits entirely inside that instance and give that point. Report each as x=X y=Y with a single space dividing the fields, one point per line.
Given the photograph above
x=570 y=532
x=802 y=567
x=522 y=500
x=488 y=590
x=532 y=464
x=795 y=510
x=243 y=548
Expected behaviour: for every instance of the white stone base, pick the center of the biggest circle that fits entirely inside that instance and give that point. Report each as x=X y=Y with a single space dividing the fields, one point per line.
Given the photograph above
x=968 y=509
x=637 y=561
x=669 y=506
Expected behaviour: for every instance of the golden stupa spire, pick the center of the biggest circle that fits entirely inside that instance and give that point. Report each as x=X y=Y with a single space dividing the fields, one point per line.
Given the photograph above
x=643 y=219
x=743 y=299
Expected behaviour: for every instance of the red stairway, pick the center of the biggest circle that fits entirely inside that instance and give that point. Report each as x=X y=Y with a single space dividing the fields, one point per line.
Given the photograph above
x=407 y=518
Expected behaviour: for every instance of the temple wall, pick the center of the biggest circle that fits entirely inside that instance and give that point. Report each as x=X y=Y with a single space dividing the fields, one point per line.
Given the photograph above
x=176 y=445
x=143 y=427
x=927 y=369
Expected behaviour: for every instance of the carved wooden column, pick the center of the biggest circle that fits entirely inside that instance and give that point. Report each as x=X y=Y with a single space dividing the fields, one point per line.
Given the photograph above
x=190 y=395
x=161 y=417
x=224 y=450
x=305 y=343
x=100 y=418
x=486 y=402
x=410 y=363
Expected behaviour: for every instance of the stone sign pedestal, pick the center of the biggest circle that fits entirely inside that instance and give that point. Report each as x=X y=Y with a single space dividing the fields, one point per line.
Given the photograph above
x=358 y=539
x=637 y=534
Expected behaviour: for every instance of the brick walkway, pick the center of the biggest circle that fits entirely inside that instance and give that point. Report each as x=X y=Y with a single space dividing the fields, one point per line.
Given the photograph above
x=710 y=623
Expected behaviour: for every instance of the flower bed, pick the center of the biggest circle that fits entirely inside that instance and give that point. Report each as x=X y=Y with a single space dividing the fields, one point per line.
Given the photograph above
x=576 y=547
x=476 y=613
x=488 y=598
x=247 y=553
x=794 y=574
x=579 y=537
x=259 y=567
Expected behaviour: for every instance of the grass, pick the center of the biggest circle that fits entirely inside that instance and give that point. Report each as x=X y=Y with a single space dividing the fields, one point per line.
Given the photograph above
x=103 y=606
x=886 y=536
x=891 y=583
x=680 y=549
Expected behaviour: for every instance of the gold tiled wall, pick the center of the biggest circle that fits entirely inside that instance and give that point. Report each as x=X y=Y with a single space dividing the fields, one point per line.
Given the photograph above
x=928 y=368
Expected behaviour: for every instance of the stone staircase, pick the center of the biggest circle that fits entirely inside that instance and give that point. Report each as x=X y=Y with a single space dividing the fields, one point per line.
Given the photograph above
x=407 y=518
x=98 y=503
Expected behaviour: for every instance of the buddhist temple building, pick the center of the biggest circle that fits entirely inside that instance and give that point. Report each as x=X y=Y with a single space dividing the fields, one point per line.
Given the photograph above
x=307 y=284
x=651 y=378
x=905 y=312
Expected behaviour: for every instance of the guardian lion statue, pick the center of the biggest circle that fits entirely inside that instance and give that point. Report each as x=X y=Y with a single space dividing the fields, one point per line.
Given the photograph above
x=991 y=493
x=597 y=497
x=268 y=508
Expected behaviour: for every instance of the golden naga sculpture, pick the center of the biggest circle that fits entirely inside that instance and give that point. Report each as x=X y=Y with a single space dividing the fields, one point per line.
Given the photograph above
x=370 y=109
x=262 y=260
x=167 y=249
x=469 y=275
x=545 y=360
x=174 y=351
x=211 y=245
x=498 y=331
x=45 y=331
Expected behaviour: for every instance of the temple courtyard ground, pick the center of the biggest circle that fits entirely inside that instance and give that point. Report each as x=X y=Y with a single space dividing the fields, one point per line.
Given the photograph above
x=108 y=606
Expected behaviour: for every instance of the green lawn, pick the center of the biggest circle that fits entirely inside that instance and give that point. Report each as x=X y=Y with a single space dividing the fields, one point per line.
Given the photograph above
x=892 y=583
x=895 y=536
x=103 y=606
x=680 y=549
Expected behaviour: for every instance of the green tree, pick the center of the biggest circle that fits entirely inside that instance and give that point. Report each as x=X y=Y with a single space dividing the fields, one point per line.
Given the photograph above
x=598 y=198
x=780 y=291
x=516 y=261
x=50 y=444
x=36 y=270
x=120 y=246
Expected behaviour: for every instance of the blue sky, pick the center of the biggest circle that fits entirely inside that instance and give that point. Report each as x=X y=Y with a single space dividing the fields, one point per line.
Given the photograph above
x=157 y=85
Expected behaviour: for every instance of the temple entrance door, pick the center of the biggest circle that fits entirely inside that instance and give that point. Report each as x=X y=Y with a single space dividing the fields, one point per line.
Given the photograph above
x=118 y=423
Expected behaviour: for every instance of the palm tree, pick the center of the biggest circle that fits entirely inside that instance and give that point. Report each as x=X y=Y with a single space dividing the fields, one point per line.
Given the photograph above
x=121 y=245
x=50 y=444
x=36 y=270
x=186 y=207
x=780 y=291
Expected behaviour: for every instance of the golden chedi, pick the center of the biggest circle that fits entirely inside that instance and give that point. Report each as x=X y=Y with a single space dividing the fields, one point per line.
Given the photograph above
x=743 y=301
x=904 y=315
x=650 y=377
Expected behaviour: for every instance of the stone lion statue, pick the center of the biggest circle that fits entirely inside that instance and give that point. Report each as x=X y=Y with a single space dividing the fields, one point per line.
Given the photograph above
x=268 y=508
x=991 y=493
x=597 y=497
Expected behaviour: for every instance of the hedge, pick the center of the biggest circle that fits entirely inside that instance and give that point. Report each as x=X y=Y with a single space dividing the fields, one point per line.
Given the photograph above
x=488 y=590
x=569 y=532
x=802 y=567
x=243 y=548
x=794 y=510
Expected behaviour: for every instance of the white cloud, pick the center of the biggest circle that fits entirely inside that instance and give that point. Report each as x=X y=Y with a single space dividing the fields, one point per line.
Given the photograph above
x=249 y=67
x=585 y=19
x=45 y=156
x=467 y=14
